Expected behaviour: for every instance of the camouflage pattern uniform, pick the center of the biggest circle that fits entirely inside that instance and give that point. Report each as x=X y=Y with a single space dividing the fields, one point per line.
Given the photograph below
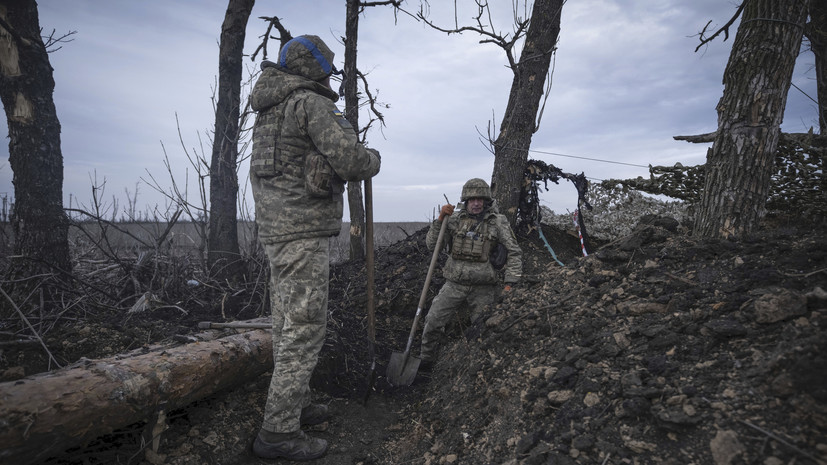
x=303 y=152
x=470 y=278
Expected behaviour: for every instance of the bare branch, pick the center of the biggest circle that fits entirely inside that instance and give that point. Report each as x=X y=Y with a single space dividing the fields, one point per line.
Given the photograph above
x=371 y=99
x=51 y=40
x=395 y=3
x=724 y=29
x=698 y=139
x=284 y=36
x=486 y=29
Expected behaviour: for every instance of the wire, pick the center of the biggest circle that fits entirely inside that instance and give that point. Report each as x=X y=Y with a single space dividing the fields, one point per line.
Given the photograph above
x=592 y=159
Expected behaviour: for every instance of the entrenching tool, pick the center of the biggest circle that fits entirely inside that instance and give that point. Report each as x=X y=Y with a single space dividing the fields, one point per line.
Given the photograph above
x=234 y=324
x=402 y=367
x=369 y=263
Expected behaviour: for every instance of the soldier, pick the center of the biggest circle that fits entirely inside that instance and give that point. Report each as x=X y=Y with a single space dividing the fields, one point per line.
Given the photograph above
x=480 y=241
x=303 y=152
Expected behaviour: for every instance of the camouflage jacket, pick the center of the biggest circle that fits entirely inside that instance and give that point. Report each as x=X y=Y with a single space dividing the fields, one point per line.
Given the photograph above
x=297 y=117
x=470 y=242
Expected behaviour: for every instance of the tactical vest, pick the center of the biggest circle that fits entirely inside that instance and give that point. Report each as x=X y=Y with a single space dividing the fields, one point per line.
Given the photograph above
x=319 y=178
x=473 y=240
x=275 y=162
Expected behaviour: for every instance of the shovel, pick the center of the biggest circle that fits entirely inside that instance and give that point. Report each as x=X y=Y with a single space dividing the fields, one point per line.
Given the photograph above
x=402 y=367
x=369 y=262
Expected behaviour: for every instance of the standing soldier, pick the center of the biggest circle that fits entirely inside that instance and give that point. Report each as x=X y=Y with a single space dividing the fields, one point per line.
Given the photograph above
x=303 y=152
x=480 y=241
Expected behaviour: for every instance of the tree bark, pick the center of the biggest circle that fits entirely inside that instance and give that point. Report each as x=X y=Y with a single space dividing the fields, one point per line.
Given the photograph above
x=46 y=414
x=223 y=251
x=351 y=88
x=518 y=124
x=756 y=82
x=26 y=85
x=816 y=32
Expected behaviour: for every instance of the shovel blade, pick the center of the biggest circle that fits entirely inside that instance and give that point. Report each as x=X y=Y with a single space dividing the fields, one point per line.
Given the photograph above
x=402 y=369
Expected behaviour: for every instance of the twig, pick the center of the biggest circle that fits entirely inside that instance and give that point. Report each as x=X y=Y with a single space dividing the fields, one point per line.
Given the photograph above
x=803 y=275
x=678 y=278
x=779 y=439
x=724 y=29
x=26 y=320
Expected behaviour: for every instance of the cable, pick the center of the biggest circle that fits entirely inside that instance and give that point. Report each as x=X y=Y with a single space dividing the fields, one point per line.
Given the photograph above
x=592 y=159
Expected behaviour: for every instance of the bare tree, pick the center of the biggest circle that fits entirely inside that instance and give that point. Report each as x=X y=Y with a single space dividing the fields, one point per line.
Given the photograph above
x=26 y=86
x=223 y=250
x=350 y=85
x=756 y=82
x=522 y=114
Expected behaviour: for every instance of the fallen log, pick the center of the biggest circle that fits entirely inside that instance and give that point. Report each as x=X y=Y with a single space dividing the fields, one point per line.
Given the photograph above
x=43 y=415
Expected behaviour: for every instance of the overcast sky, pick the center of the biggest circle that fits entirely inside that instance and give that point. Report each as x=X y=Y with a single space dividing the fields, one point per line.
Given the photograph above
x=626 y=80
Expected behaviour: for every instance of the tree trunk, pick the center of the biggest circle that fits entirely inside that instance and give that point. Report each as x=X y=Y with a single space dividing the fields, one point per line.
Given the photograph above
x=351 y=87
x=816 y=32
x=518 y=124
x=26 y=86
x=223 y=255
x=756 y=81
x=46 y=414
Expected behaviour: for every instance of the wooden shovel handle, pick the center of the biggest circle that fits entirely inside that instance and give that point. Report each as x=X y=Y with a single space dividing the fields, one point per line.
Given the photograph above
x=369 y=260
x=424 y=294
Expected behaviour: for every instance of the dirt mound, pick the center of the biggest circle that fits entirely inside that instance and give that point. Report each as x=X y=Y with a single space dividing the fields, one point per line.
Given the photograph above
x=656 y=348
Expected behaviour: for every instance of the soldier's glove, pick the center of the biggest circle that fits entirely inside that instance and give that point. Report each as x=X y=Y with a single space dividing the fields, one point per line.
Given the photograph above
x=446 y=210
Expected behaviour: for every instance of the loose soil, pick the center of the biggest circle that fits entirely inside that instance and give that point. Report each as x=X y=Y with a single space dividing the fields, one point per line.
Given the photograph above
x=657 y=348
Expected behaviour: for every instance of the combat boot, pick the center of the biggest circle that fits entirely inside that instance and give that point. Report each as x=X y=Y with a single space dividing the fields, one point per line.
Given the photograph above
x=314 y=414
x=292 y=446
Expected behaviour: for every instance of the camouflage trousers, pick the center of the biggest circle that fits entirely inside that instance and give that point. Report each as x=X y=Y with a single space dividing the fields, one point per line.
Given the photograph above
x=300 y=271
x=451 y=297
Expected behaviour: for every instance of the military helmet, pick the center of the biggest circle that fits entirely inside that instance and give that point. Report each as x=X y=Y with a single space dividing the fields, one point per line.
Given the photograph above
x=476 y=187
x=307 y=56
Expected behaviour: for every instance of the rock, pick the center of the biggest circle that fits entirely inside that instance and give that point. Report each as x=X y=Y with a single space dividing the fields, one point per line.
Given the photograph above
x=779 y=305
x=639 y=447
x=583 y=442
x=725 y=447
x=641 y=307
x=527 y=442
x=591 y=400
x=816 y=299
x=560 y=397
x=674 y=418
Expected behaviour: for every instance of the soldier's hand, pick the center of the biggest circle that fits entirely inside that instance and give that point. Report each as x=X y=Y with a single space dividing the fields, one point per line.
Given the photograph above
x=446 y=210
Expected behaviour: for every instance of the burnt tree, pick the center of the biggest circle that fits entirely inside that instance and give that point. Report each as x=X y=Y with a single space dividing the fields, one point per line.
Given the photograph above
x=26 y=86
x=350 y=87
x=518 y=124
x=521 y=118
x=351 y=90
x=756 y=81
x=223 y=250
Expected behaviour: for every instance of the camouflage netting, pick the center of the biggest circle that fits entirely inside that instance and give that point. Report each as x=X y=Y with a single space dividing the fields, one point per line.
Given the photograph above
x=797 y=185
x=613 y=206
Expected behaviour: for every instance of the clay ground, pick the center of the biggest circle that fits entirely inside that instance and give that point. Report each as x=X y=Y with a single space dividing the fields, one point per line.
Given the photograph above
x=657 y=348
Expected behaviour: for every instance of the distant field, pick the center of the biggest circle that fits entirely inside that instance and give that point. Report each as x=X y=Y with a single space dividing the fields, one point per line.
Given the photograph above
x=184 y=237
